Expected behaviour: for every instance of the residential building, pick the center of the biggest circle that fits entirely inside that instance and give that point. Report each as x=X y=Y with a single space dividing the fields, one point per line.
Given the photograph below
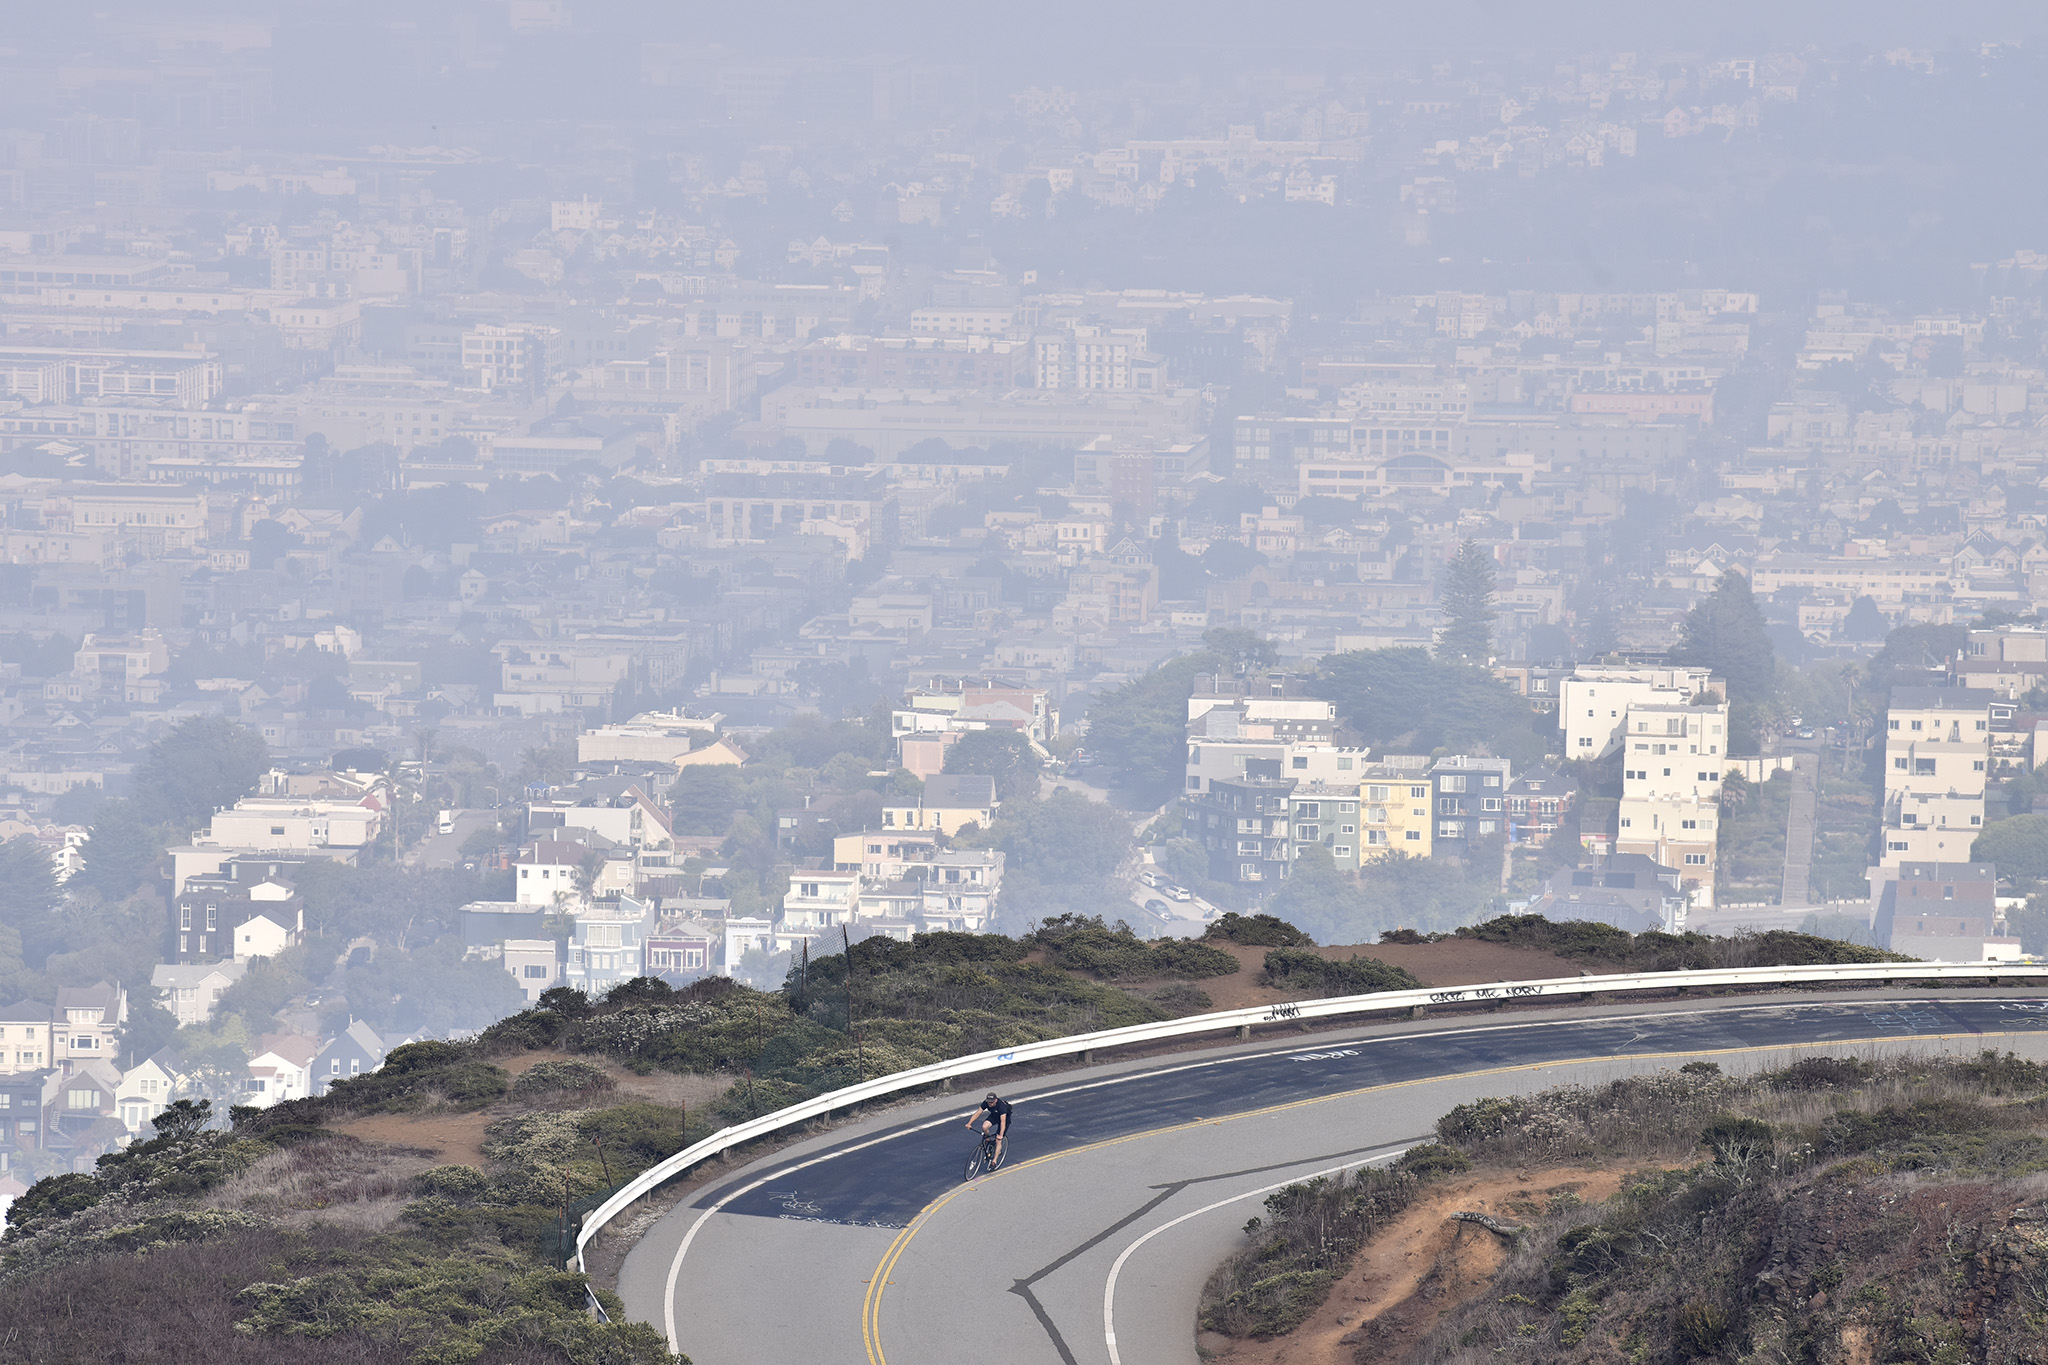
x=1243 y=825
x=819 y=900
x=192 y=990
x=286 y=824
x=25 y=1045
x=1538 y=804
x=354 y=1051
x=945 y=803
x=1937 y=755
x=1594 y=702
x=148 y=1088
x=1627 y=890
x=1672 y=769
x=1394 y=812
x=680 y=951
x=86 y=1024
x=534 y=963
x=280 y=1069
x=546 y=873
x=231 y=915
x=1944 y=912
x=606 y=944
x=650 y=737
x=1326 y=814
x=1470 y=799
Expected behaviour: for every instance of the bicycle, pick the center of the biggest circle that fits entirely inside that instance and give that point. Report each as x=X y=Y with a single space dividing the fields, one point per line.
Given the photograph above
x=986 y=1157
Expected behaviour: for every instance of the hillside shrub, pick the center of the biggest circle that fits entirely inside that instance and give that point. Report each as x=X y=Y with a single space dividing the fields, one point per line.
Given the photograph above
x=1257 y=931
x=1297 y=970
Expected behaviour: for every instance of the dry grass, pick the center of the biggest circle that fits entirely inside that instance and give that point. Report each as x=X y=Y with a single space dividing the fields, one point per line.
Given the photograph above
x=335 y=1181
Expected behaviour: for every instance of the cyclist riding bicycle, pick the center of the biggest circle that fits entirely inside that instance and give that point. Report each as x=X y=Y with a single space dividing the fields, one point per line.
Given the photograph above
x=993 y=1119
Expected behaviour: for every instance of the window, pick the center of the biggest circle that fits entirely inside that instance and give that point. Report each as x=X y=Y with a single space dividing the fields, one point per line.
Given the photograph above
x=184 y=917
x=1688 y=824
x=1923 y=767
x=1343 y=765
x=334 y=1066
x=1894 y=725
x=1899 y=764
x=1977 y=765
x=1301 y=761
x=534 y=971
x=82 y=1099
x=1490 y=803
x=1342 y=850
x=277 y=829
x=1916 y=725
x=1695 y=860
x=1703 y=777
x=1308 y=810
x=1414 y=836
x=1624 y=822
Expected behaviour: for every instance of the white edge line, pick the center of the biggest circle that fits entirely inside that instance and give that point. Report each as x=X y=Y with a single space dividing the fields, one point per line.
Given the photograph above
x=1117 y=1267
x=675 y=1269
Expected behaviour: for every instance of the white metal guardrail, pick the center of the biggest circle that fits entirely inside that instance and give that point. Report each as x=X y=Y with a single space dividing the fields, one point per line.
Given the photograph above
x=1242 y=1019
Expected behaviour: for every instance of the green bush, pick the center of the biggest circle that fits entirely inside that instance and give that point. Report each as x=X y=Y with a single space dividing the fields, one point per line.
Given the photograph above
x=1257 y=931
x=1086 y=944
x=1603 y=945
x=1296 y=969
x=550 y=1078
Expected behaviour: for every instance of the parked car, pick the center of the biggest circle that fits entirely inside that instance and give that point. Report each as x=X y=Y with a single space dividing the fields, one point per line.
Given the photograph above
x=1180 y=893
x=1157 y=907
x=1150 y=878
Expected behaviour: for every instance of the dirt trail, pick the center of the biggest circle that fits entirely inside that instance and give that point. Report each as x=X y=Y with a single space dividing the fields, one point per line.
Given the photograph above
x=1420 y=1268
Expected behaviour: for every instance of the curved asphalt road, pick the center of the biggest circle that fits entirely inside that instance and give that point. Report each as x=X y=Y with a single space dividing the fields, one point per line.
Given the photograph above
x=1127 y=1184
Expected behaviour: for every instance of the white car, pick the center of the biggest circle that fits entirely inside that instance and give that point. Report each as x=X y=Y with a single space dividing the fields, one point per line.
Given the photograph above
x=1180 y=893
x=1150 y=878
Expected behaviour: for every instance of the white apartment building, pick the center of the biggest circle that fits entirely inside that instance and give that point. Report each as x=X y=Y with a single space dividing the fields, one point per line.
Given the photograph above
x=650 y=737
x=1593 y=704
x=267 y=823
x=1937 y=747
x=820 y=900
x=1672 y=770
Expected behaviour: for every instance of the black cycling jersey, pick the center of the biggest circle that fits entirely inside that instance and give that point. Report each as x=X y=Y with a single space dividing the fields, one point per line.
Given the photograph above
x=998 y=1111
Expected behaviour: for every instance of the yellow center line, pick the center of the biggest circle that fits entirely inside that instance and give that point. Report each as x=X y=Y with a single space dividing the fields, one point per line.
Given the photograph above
x=871 y=1306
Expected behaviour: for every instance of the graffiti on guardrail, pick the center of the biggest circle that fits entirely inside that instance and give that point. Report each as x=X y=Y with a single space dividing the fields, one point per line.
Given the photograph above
x=1483 y=993
x=1283 y=1012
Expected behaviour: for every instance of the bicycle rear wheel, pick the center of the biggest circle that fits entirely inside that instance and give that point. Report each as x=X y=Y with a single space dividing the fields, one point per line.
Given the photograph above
x=995 y=1154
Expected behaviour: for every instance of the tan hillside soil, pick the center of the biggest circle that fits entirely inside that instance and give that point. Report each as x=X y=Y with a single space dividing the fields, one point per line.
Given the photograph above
x=1420 y=1268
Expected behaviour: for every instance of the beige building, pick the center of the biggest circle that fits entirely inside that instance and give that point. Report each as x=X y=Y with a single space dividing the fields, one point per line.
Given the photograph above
x=1937 y=749
x=1593 y=704
x=1675 y=758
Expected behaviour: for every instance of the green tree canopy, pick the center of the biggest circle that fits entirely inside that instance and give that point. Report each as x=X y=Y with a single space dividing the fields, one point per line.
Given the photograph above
x=1243 y=649
x=1004 y=755
x=2019 y=847
x=1466 y=597
x=1065 y=838
x=122 y=852
x=1725 y=632
x=1140 y=729
x=1403 y=696
x=206 y=763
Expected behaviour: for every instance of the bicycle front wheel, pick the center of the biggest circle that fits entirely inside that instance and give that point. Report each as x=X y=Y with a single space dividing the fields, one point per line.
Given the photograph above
x=973 y=1164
